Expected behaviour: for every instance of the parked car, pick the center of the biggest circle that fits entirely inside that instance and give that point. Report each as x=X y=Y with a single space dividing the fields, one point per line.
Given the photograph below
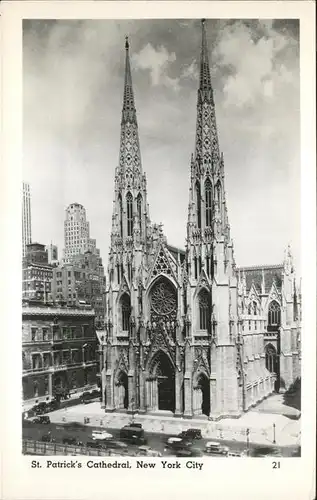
x=73 y=425
x=40 y=408
x=48 y=438
x=216 y=449
x=72 y=441
x=52 y=405
x=94 y=444
x=147 y=451
x=87 y=397
x=101 y=434
x=265 y=451
x=191 y=434
x=134 y=435
x=114 y=444
x=189 y=452
x=236 y=454
x=42 y=419
x=176 y=442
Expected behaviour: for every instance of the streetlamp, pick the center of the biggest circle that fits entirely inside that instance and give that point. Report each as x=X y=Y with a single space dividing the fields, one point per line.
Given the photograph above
x=84 y=364
x=248 y=441
x=132 y=405
x=83 y=349
x=274 y=441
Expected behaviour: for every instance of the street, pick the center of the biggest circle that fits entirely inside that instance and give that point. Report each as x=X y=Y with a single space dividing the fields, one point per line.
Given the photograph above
x=155 y=441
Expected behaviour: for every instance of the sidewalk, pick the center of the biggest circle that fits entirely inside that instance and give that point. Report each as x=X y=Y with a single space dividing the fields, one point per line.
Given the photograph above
x=260 y=425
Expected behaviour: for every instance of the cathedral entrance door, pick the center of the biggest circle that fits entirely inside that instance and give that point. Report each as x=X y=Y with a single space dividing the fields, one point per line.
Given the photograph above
x=122 y=391
x=165 y=383
x=204 y=385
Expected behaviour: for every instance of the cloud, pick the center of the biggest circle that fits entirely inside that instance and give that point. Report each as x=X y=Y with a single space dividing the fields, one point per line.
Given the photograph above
x=190 y=71
x=251 y=60
x=157 y=62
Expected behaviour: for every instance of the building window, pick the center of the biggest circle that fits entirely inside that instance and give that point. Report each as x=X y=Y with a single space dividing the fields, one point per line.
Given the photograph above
x=139 y=208
x=125 y=312
x=47 y=359
x=204 y=310
x=218 y=194
x=75 y=356
x=208 y=198
x=198 y=204
x=208 y=265
x=195 y=267
x=129 y=214
x=57 y=358
x=45 y=334
x=270 y=359
x=118 y=273
x=36 y=361
x=66 y=357
x=274 y=316
x=120 y=214
x=24 y=363
x=35 y=389
x=34 y=334
x=46 y=386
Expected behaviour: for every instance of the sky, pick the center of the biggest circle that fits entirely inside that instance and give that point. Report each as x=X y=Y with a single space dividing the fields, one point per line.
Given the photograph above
x=73 y=75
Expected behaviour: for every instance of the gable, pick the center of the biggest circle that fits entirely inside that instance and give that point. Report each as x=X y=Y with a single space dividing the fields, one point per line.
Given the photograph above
x=164 y=263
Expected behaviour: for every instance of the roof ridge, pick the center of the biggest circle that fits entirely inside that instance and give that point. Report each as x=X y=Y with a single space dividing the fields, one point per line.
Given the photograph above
x=249 y=268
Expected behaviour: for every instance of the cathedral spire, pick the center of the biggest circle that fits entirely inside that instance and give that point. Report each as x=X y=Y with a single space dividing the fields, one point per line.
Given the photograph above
x=204 y=81
x=128 y=109
x=130 y=157
x=207 y=147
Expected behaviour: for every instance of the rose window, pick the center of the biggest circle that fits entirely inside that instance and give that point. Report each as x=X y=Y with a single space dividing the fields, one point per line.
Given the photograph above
x=163 y=299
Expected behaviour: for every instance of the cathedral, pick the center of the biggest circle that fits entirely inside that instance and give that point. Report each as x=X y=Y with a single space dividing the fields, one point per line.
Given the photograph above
x=189 y=333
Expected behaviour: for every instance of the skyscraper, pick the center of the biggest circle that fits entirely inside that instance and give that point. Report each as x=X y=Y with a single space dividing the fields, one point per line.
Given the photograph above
x=76 y=233
x=26 y=218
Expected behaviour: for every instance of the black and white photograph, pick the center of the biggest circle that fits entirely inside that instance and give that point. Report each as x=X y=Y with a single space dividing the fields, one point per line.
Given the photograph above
x=161 y=264
x=159 y=302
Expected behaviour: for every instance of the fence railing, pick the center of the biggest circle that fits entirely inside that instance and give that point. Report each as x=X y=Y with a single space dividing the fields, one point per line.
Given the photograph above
x=30 y=447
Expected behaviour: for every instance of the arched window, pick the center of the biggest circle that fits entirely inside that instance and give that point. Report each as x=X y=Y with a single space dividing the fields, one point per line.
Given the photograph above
x=255 y=308
x=198 y=204
x=139 y=209
x=208 y=265
x=218 y=194
x=274 y=316
x=125 y=312
x=270 y=359
x=196 y=267
x=120 y=214
x=250 y=309
x=118 y=273
x=204 y=310
x=129 y=214
x=208 y=198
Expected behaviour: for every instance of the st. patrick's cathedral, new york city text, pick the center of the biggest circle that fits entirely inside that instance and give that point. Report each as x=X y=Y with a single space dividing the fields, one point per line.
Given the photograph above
x=188 y=331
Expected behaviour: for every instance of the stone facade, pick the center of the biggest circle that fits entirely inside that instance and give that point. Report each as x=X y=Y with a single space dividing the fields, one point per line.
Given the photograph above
x=37 y=273
x=181 y=334
x=59 y=350
x=83 y=280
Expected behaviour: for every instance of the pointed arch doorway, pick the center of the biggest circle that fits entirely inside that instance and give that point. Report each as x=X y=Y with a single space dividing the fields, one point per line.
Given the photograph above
x=122 y=393
x=161 y=392
x=201 y=396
